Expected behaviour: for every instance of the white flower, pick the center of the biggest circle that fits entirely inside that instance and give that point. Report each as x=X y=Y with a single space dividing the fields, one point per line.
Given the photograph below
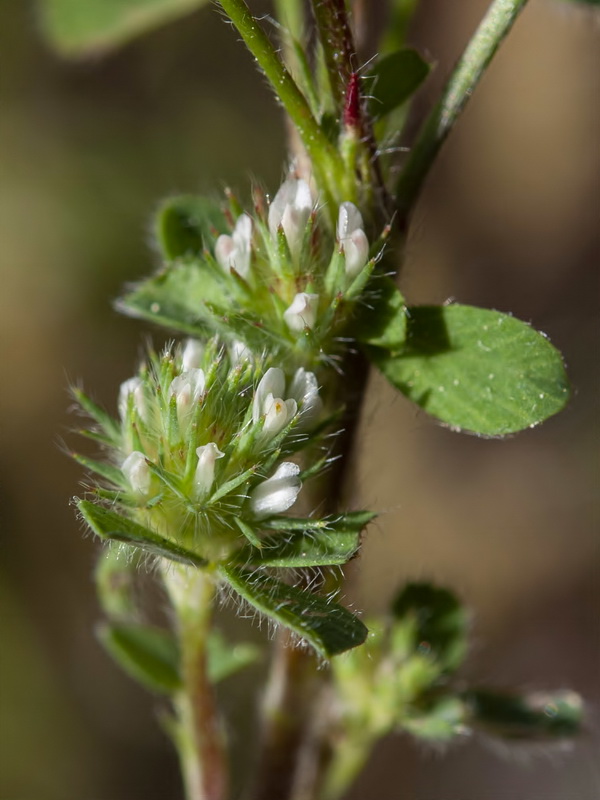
x=135 y=387
x=302 y=313
x=239 y=352
x=269 y=403
x=187 y=389
x=305 y=390
x=235 y=250
x=192 y=354
x=290 y=209
x=136 y=470
x=278 y=492
x=205 y=471
x=352 y=238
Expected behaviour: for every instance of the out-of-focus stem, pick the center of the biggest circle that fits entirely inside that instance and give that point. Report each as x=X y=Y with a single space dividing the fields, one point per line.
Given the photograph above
x=496 y=24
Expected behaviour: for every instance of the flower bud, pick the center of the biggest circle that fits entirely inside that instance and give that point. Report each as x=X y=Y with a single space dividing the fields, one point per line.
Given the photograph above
x=234 y=251
x=205 y=471
x=302 y=313
x=352 y=238
x=187 y=389
x=192 y=354
x=277 y=493
x=305 y=390
x=290 y=209
x=136 y=470
x=135 y=387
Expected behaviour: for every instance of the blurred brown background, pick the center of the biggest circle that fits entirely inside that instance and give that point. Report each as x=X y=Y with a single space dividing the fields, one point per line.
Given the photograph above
x=509 y=220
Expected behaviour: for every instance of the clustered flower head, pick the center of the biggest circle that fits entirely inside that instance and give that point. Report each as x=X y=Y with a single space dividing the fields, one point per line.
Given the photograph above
x=205 y=441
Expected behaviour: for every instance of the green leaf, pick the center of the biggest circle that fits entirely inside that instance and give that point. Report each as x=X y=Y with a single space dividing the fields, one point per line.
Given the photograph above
x=149 y=655
x=80 y=27
x=475 y=369
x=187 y=225
x=225 y=658
x=107 y=471
x=175 y=298
x=327 y=626
x=539 y=714
x=110 y=526
x=382 y=322
x=393 y=79
x=440 y=622
x=114 y=576
x=303 y=549
x=353 y=520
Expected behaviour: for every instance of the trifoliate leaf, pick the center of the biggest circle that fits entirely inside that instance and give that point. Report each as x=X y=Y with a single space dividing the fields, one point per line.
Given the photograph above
x=436 y=620
x=81 y=27
x=109 y=525
x=476 y=369
x=393 y=79
x=149 y=655
x=327 y=626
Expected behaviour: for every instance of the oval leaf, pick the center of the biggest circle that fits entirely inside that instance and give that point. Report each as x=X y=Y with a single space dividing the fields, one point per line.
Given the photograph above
x=80 y=27
x=476 y=369
x=187 y=225
x=327 y=626
x=393 y=79
x=149 y=655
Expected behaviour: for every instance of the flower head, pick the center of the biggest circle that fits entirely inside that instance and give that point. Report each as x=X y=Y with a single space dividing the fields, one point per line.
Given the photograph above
x=233 y=252
x=290 y=209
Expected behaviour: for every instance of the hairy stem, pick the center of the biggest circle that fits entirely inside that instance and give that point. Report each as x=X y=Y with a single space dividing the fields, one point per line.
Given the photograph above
x=199 y=734
x=496 y=24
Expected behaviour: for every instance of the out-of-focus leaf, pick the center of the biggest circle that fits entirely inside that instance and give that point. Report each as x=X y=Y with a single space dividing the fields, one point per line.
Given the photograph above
x=537 y=715
x=476 y=369
x=80 y=27
x=110 y=526
x=187 y=225
x=327 y=626
x=225 y=658
x=149 y=655
x=393 y=79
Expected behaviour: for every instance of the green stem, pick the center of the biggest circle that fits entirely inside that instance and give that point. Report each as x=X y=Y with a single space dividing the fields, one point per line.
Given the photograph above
x=325 y=159
x=337 y=42
x=496 y=24
x=199 y=735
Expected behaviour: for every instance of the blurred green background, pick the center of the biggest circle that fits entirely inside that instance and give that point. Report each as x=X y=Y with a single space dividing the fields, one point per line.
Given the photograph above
x=509 y=220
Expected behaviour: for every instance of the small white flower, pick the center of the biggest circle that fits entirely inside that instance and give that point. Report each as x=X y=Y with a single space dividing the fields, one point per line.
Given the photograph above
x=135 y=387
x=192 y=354
x=239 y=352
x=290 y=209
x=302 y=313
x=235 y=250
x=305 y=390
x=272 y=383
x=352 y=238
x=277 y=493
x=187 y=389
x=205 y=471
x=269 y=403
x=136 y=470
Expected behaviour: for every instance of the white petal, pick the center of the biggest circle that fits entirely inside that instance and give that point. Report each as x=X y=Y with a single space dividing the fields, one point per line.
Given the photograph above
x=239 y=352
x=242 y=239
x=356 y=250
x=135 y=387
x=302 y=313
x=205 y=471
x=187 y=389
x=305 y=389
x=192 y=355
x=271 y=383
x=225 y=251
x=349 y=219
x=137 y=472
x=290 y=208
x=278 y=414
x=277 y=493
